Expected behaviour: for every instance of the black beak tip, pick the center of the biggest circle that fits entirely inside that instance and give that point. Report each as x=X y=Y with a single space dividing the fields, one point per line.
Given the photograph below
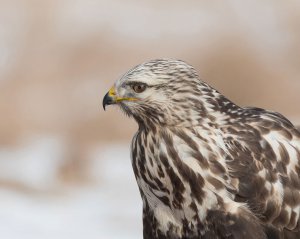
x=104 y=102
x=107 y=100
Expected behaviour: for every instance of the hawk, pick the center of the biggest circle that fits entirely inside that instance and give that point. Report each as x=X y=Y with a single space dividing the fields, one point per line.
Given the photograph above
x=206 y=167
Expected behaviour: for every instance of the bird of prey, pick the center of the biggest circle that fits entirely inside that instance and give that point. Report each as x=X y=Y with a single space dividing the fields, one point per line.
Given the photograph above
x=206 y=167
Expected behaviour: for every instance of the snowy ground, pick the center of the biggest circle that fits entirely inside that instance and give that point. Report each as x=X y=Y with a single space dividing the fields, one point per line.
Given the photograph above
x=108 y=208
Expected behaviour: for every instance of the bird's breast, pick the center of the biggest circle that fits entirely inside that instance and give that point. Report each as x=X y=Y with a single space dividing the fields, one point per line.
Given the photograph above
x=180 y=176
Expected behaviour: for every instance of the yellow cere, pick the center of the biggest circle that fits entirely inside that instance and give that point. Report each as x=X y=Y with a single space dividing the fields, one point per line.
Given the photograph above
x=112 y=93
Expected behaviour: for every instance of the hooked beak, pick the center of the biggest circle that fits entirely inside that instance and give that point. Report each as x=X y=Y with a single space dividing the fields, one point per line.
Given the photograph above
x=112 y=98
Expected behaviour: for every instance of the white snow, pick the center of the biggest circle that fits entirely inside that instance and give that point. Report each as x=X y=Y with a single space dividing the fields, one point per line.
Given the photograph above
x=109 y=208
x=35 y=164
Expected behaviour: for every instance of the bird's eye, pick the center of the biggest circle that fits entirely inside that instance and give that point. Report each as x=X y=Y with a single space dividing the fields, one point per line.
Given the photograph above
x=139 y=88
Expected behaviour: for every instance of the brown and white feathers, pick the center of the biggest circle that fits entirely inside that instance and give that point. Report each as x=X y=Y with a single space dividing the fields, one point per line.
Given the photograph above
x=205 y=167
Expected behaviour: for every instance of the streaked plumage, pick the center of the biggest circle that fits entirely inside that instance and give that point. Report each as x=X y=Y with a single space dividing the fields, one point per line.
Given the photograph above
x=205 y=167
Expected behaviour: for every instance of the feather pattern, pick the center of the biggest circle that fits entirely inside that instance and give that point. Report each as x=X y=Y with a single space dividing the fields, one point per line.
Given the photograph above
x=205 y=167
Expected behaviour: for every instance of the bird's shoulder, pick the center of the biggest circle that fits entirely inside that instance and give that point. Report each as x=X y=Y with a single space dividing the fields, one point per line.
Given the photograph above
x=264 y=162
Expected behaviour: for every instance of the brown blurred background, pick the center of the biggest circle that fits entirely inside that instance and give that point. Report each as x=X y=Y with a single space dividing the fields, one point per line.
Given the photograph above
x=64 y=163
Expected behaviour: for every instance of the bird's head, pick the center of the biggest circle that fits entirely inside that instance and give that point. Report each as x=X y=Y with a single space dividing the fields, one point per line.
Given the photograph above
x=165 y=92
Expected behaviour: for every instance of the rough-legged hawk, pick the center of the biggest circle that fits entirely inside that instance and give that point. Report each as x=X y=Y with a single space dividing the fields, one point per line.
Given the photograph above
x=205 y=167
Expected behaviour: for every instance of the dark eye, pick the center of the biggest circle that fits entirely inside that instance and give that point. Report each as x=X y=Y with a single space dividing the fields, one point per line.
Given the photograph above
x=139 y=88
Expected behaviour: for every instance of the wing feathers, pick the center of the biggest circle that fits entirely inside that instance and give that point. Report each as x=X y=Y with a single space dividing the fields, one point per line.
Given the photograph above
x=267 y=168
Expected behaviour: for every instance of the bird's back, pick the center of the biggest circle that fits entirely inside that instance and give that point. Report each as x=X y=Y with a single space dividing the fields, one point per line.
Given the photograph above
x=264 y=163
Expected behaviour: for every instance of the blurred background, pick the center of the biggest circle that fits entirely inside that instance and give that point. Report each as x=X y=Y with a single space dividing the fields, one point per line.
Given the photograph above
x=65 y=170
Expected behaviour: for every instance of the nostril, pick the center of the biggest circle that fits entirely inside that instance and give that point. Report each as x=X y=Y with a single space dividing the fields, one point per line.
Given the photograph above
x=112 y=92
